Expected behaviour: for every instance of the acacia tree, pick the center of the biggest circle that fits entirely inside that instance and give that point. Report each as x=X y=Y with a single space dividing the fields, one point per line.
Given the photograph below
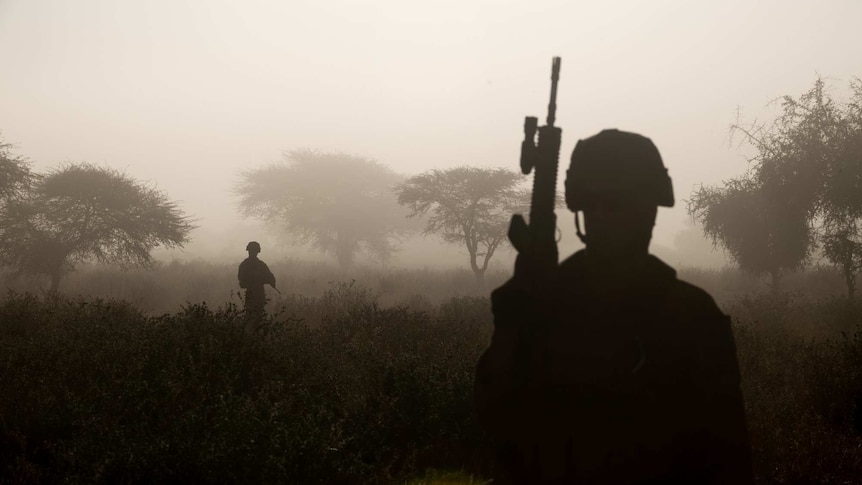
x=16 y=180
x=761 y=235
x=15 y=176
x=339 y=204
x=82 y=212
x=841 y=201
x=807 y=166
x=467 y=205
x=842 y=245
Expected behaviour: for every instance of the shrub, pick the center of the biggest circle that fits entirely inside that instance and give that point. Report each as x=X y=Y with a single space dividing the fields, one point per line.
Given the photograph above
x=341 y=388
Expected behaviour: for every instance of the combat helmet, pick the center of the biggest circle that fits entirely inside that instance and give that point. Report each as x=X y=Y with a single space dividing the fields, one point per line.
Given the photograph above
x=253 y=246
x=617 y=165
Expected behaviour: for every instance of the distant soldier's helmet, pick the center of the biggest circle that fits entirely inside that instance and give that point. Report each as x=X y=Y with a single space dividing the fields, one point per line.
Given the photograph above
x=617 y=165
x=253 y=246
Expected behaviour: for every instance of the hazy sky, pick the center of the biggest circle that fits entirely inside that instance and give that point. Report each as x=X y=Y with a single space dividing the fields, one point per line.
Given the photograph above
x=187 y=93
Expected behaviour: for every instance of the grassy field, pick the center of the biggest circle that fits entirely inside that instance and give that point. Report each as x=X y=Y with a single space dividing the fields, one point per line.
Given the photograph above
x=360 y=381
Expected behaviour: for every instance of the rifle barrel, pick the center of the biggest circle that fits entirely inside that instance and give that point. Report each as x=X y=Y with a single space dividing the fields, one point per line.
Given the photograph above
x=555 y=76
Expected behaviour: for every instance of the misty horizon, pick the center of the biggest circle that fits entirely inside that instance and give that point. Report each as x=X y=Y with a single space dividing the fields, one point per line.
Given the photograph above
x=187 y=96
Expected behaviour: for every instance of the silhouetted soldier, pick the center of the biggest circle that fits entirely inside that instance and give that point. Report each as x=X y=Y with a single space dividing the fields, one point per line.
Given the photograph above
x=253 y=274
x=613 y=371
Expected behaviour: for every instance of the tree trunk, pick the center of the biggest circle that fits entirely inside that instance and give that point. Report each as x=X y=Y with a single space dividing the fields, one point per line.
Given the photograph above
x=478 y=271
x=56 y=276
x=344 y=252
x=345 y=260
x=850 y=281
x=480 y=278
x=776 y=281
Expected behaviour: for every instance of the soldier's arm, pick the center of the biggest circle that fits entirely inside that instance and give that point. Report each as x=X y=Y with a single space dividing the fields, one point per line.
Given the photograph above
x=504 y=371
x=240 y=275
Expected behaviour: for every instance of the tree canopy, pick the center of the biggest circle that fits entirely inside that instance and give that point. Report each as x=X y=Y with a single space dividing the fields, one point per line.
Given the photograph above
x=15 y=175
x=803 y=190
x=82 y=212
x=759 y=234
x=467 y=205
x=339 y=204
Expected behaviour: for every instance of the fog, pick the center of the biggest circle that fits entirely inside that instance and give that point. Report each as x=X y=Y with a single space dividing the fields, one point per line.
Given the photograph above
x=187 y=94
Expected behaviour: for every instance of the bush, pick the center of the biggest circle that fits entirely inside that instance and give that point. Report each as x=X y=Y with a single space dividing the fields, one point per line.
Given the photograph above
x=802 y=392
x=342 y=389
x=367 y=394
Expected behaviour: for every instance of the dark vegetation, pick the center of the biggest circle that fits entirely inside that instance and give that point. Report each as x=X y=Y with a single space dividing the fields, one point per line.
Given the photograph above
x=369 y=380
x=360 y=383
x=801 y=194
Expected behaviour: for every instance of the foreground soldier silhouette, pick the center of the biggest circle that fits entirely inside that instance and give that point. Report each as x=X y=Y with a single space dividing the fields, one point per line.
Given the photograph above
x=253 y=274
x=613 y=371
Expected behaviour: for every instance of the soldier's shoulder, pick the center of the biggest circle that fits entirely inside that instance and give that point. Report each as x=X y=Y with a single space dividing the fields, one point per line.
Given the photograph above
x=573 y=262
x=695 y=295
x=695 y=305
x=701 y=323
x=690 y=302
x=569 y=271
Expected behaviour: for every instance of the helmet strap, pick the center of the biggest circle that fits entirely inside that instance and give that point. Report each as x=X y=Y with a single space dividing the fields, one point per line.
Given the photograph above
x=581 y=235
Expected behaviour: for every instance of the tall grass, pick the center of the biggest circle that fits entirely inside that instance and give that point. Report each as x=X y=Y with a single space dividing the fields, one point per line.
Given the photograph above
x=170 y=286
x=355 y=384
x=98 y=392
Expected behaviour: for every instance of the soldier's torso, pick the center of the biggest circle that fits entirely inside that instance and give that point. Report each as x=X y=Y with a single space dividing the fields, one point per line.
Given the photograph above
x=619 y=379
x=253 y=274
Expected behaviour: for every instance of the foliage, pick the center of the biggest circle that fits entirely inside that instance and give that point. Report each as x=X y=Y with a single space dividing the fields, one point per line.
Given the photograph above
x=806 y=174
x=841 y=211
x=802 y=396
x=205 y=396
x=338 y=203
x=81 y=212
x=15 y=176
x=842 y=245
x=16 y=180
x=819 y=149
x=437 y=477
x=468 y=205
x=759 y=233
x=368 y=394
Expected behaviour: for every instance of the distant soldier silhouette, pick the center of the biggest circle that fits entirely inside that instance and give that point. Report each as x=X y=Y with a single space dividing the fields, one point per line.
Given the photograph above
x=253 y=274
x=613 y=371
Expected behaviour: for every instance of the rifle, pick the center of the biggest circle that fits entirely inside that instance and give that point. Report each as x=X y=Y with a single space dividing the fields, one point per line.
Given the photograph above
x=537 y=240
